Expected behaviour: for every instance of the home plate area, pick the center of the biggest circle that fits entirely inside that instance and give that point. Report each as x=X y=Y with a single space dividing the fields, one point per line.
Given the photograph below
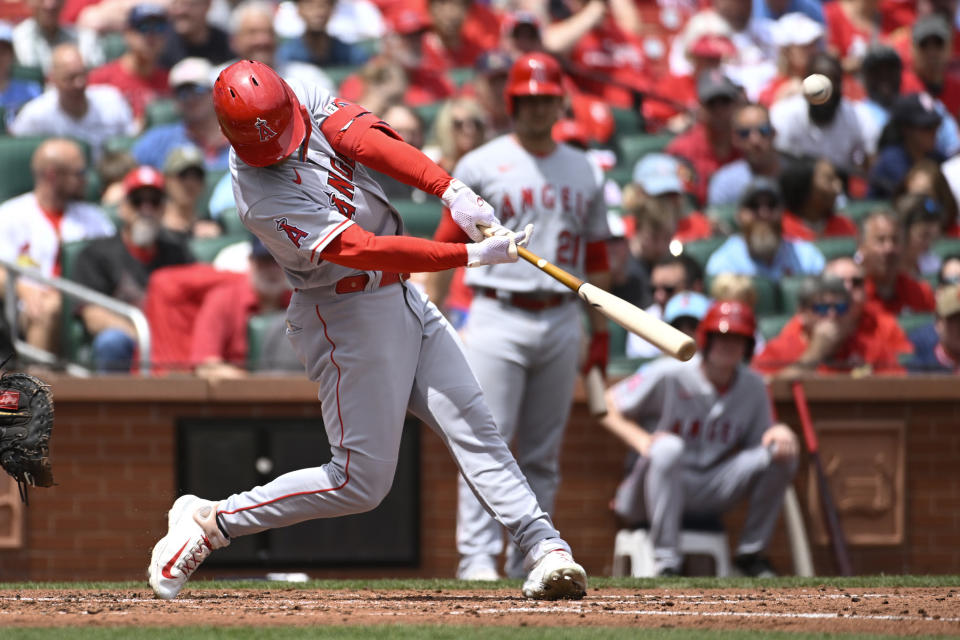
x=900 y=611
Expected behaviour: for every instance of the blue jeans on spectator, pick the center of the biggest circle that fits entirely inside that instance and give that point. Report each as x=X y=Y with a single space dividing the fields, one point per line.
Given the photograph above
x=113 y=351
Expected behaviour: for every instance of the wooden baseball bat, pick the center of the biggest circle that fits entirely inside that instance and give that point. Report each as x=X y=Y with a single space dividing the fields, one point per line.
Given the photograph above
x=657 y=332
x=831 y=517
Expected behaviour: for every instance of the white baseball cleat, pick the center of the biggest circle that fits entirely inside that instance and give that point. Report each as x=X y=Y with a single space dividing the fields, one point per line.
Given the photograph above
x=556 y=576
x=191 y=535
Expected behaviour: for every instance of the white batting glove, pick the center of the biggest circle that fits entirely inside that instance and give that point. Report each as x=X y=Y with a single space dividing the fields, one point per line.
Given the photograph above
x=498 y=248
x=468 y=210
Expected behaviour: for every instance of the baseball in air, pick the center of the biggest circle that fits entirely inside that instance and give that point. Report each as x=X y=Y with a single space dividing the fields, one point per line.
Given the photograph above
x=817 y=88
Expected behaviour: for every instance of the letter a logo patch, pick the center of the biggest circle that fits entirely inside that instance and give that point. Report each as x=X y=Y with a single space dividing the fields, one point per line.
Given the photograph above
x=295 y=234
x=264 y=129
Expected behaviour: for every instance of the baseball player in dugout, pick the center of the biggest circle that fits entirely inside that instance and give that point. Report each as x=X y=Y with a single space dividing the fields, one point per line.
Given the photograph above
x=705 y=439
x=300 y=164
x=523 y=332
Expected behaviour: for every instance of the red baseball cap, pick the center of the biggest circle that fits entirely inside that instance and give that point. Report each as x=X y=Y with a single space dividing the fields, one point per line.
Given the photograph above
x=142 y=176
x=407 y=21
x=713 y=46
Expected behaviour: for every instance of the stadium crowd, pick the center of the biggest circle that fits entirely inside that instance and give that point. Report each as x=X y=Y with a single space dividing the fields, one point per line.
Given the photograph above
x=837 y=223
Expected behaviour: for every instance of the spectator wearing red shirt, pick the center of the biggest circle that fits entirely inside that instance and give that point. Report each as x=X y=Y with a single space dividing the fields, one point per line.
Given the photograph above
x=137 y=72
x=902 y=39
x=600 y=39
x=836 y=330
x=928 y=70
x=675 y=99
x=853 y=25
x=462 y=30
x=810 y=188
x=219 y=341
x=407 y=70
x=881 y=245
x=708 y=144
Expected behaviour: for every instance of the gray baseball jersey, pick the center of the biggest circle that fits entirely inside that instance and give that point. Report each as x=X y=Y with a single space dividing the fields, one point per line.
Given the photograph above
x=375 y=352
x=674 y=396
x=559 y=193
x=526 y=359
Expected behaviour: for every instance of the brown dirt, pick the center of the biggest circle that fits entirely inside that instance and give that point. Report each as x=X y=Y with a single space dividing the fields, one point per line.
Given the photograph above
x=898 y=611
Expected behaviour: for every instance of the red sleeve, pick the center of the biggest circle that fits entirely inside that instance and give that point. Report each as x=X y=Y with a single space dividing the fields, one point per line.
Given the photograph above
x=360 y=249
x=361 y=136
x=211 y=328
x=596 y=258
x=783 y=350
x=448 y=230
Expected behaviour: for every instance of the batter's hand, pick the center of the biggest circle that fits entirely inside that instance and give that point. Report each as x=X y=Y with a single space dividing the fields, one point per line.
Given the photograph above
x=468 y=210
x=498 y=248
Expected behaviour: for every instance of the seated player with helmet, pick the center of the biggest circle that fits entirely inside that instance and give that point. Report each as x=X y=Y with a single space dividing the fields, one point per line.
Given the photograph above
x=705 y=439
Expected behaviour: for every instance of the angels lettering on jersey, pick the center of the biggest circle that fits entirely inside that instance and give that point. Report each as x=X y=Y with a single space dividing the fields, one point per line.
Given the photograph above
x=548 y=197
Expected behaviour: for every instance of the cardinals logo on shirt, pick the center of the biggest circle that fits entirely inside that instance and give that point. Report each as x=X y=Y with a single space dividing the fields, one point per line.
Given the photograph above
x=264 y=130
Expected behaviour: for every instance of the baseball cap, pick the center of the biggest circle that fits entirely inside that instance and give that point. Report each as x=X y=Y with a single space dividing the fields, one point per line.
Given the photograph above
x=796 y=29
x=929 y=26
x=711 y=45
x=407 y=21
x=183 y=158
x=493 y=62
x=760 y=185
x=948 y=300
x=6 y=32
x=142 y=176
x=196 y=71
x=713 y=84
x=686 y=304
x=915 y=110
x=142 y=13
x=657 y=174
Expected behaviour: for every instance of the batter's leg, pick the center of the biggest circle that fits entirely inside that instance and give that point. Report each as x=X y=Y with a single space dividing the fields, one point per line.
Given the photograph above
x=363 y=350
x=447 y=397
x=499 y=358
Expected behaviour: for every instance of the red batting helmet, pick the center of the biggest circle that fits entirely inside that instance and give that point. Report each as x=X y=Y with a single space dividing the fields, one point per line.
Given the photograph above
x=258 y=113
x=728 y=317
x=534 y=74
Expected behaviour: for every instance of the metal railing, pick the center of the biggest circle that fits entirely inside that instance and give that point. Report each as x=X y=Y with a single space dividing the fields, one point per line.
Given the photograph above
x=77 y=292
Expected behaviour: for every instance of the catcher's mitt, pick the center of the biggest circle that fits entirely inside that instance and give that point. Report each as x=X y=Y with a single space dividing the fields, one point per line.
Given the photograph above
x=26 y=420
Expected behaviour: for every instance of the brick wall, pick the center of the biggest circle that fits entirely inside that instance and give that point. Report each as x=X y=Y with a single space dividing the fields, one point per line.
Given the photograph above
x=113 y=453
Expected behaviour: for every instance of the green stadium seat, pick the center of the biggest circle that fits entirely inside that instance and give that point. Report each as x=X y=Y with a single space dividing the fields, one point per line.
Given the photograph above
x=257 y=327
x=910 y=321
x=462 y=75
x=161 y=111
x=114 y=45
x=229 y=219
x=622 y=174
x=428 y=113
x=724 y=218
x=119 y=144
x=419 y=218
x=700 y=250
x=790 y=288
x=206 y=249
x=635 y=146
x=22 y=72
x=622 y=367
x=338 y=74
x=768 y=296
x=945 y=247
x=771 y=326
x=837 y=247
x=857 y=210
x=626 y=122
x=15 y=154
x=75 y=344
x=618 y=340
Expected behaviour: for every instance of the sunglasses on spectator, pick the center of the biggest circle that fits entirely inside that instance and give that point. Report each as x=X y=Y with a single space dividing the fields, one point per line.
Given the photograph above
x=472 y=123
x=719 y=101
x=756 y=204
x=853 y=283
x=668 y=290
x=189 y=90
x=823 y=309
x=151 y=197
x=765 y=131
x=151 y=26
x=192 y=172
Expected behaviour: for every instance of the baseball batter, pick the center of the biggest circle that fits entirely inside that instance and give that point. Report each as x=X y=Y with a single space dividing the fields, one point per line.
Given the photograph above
x=710 y=442
x=523 y=331
x=376 y=347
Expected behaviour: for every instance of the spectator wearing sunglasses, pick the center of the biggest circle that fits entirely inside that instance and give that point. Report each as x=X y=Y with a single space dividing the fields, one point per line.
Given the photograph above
x=759 y=248
x=922 y=219
x=937 y=345
x=137 y=73
x=119 y=266
x=192 y=82
x=835 y=330
x=810 y=188
x=880 y=250
x=670 y=276
x=460 y=127
x=708 y=144
x=753 y=138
